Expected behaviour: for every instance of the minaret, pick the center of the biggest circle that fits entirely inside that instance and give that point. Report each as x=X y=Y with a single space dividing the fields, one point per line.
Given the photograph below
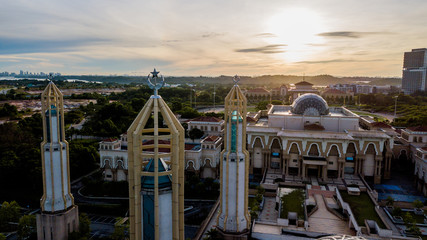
x=59 y=214
x=233 y=219
x=156 y=179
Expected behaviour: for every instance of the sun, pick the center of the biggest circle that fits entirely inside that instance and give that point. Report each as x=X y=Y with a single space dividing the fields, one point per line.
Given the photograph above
x=298 y=28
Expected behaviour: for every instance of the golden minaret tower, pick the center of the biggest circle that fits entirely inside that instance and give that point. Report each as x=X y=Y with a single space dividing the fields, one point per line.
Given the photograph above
x=156 y=179
x=59 y=215
x=233 y=218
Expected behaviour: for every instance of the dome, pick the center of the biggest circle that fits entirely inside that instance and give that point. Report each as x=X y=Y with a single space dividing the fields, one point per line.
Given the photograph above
x=310 y=104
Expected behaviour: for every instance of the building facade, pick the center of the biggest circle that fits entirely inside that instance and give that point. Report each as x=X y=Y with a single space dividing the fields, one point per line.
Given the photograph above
x=209 y=125
x=114 y=158
x=308 y=138
x=201 y=159
x=59 y=215
x=414 y=71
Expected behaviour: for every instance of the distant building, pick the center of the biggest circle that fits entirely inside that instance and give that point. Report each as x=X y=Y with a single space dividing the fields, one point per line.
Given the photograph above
x=258 y=94
x=414 y=71
x=300 y=89
x=331 y=94
x=209 y=125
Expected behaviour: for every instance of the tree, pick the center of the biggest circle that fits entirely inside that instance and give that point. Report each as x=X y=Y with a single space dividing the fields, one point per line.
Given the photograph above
x=2 y=237
x=188 y=112
x=27 y=227
x=195 y=133
x=397 y=211
x=262 y=105
x=119 y=230
x=418 y=204
x=277 y=102
x=212 y=234
x=84 y=225
x=9 y=212
x=389 y=201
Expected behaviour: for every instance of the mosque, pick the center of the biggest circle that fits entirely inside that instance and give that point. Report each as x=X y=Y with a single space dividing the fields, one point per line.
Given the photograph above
x=309 y=138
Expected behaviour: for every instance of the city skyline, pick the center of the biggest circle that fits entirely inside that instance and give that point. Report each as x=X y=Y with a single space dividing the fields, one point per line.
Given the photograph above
x=355 y=38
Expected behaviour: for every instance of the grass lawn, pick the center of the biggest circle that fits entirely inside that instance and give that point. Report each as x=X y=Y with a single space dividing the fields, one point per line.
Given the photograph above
x=293 y=202
x=363 y=208
x=251 y=109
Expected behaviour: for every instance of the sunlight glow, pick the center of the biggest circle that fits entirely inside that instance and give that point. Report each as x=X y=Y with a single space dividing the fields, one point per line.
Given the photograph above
x=298 y=29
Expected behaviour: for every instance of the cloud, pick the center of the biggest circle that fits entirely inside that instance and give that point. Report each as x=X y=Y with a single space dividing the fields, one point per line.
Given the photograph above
x=19 y=46
x=340 y=61
x=212 y=34
x=269 y=49
x=266 y=35
x=348 y=34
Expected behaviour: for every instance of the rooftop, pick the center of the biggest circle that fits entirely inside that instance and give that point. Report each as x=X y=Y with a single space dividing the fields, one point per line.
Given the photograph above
x=303 y=83
x=210 y=139
x=206 y=119
x=418 y=129
x=258 y=90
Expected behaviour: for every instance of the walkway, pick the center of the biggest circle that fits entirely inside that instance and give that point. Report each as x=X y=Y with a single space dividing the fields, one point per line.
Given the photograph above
x=269 y=212
x=324 y=221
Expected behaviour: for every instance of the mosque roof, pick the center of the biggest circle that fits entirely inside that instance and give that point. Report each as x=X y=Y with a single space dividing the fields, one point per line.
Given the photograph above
x=310 y=104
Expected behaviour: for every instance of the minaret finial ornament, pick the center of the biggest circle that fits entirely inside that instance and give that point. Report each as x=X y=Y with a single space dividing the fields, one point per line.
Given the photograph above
x=155 y=82
x=236 y=79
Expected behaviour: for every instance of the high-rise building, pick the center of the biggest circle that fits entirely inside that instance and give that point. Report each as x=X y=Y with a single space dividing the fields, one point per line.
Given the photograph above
x=59 y=215
x=414 y=71
x=156 y=177
x=233 y=218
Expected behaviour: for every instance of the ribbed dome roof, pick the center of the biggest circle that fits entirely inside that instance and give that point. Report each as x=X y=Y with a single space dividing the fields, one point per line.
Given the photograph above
x=147 y=182
x=310 y=104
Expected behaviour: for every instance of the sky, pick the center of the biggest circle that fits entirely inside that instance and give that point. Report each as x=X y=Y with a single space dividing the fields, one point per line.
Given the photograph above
x=211 y=38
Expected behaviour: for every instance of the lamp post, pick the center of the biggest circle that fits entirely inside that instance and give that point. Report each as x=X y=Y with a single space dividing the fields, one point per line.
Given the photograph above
x=395 y=106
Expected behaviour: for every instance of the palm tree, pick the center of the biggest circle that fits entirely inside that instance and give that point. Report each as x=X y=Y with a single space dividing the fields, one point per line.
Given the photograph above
x=212 y=234
x=389 y=201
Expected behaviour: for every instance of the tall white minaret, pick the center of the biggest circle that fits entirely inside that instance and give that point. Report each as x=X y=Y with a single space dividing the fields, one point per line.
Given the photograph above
x=233 y=219
x=59 y=214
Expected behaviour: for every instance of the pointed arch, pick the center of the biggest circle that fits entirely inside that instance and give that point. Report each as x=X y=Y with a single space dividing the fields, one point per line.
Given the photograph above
x=312 y=151
x=370 y=147
x=294 y=148
x=334 y=149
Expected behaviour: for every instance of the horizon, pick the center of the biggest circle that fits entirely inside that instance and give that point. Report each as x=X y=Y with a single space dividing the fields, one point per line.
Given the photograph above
x=352 y=39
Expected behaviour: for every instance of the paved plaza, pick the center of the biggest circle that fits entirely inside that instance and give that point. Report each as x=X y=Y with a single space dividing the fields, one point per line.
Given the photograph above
x=325 y=222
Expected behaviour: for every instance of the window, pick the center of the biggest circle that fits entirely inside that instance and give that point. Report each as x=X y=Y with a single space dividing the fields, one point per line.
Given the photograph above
x=295 y=160
x=275 y=154
x=55 y=149
x=349 y=159
x=109 y=176
x=331 y=163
